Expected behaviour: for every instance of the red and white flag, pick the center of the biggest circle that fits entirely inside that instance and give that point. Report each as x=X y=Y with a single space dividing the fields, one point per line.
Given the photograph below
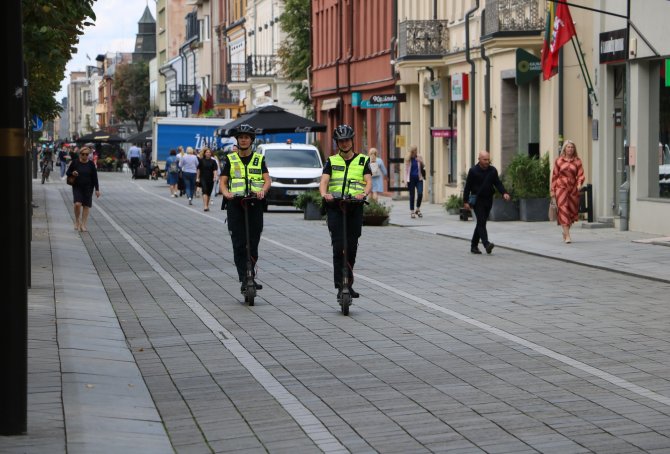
x=560 y=29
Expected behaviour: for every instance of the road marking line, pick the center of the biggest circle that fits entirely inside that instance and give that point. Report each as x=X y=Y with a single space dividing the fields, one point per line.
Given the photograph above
x=613 y=379
x=309 y=423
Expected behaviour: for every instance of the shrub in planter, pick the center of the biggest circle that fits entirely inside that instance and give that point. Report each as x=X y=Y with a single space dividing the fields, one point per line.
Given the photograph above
x=453 y=204
x=310 y=202
x=527 y=179
x=375 y=213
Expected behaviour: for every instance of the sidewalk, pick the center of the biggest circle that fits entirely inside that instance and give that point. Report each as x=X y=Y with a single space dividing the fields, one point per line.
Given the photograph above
x=631 y=253
x=85 y=388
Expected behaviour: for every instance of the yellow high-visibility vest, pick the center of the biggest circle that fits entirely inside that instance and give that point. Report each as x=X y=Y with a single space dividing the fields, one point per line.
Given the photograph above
x=347 y=180
x=245 y=179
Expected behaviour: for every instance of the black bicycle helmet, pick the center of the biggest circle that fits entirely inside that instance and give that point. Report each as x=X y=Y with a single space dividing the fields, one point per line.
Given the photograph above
x=245 y=129
x=343 y=132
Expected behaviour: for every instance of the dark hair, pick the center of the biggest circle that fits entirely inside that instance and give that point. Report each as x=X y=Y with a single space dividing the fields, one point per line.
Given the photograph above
x=173 y=152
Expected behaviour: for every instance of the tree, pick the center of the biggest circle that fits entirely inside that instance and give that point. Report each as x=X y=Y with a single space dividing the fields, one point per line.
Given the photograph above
x=51 y=30
x=295 y=51
x=131 y=85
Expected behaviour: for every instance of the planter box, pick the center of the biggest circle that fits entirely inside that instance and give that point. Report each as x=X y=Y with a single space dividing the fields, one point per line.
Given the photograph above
x=453 y=211
x=504 y=211
x=312 y=212
x=376 y=220
x=533 y=210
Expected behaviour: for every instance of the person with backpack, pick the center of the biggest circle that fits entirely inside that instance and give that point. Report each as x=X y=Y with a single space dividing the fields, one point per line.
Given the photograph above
x=172 y=172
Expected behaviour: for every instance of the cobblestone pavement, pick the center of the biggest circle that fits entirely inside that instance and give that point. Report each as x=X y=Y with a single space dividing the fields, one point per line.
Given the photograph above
x=140 y=340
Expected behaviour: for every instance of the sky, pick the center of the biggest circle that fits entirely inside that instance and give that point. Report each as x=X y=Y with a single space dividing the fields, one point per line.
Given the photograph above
x=114 y=31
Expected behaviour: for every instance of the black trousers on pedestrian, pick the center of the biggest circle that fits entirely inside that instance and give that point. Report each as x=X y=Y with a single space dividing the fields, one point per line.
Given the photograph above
x=238 y=233
x=354 y=229
x=482 y=210
x=134 y=164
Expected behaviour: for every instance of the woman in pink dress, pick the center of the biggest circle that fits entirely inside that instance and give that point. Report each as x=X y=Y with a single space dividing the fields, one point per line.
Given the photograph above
x=566 y=179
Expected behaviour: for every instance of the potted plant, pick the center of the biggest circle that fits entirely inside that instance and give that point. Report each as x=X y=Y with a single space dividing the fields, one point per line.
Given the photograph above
x=454 y=204
x=310 y=202
x=375 y=213
x=502 y=210
x=527 y=179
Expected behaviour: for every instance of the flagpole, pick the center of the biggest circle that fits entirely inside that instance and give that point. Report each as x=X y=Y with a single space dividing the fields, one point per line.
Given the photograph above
x=560 y=98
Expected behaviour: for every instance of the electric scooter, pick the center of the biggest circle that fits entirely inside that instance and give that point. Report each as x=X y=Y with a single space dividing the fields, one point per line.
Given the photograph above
x=344 y=295
x=249 y=282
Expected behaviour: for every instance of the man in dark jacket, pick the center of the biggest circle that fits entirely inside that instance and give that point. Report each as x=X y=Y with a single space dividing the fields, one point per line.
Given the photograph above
x=481 y=183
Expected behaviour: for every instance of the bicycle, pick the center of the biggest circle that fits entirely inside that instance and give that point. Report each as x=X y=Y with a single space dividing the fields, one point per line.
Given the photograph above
x=46 y=169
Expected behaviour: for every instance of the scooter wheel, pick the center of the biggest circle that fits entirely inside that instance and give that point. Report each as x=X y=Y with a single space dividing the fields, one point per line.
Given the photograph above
x=345 y=302
x=249 y=300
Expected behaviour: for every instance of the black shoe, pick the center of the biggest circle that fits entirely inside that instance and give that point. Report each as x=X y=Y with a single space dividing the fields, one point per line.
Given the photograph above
x=489 y=247
x=354 y=293
x=243 y=287
x=475 y=250
x=258 y=286
x=339 y=294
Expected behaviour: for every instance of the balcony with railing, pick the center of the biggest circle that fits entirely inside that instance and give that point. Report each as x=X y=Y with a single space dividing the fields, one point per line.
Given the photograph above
x=184 y=95
x=224 y=95
x=513 y=18
x=262 y=66
x=421 y=39
x=237 y=72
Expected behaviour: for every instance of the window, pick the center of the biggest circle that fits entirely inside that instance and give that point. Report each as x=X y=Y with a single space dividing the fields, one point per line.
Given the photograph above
x=205 y=32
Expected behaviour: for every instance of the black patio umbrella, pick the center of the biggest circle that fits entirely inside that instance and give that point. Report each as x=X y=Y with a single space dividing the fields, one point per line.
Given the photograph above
x=100 y=136
x=273 y=119
x=144 y=136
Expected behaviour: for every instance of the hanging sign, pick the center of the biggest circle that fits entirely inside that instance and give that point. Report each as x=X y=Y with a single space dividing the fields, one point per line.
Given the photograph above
x=459 y=87
x=528 y=67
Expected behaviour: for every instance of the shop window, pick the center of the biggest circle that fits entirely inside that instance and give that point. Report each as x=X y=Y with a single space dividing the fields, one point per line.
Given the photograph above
x=664 y=134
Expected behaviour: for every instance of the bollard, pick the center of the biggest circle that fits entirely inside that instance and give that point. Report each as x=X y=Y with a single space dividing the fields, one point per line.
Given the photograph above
x=586 y=201
x=624 y=192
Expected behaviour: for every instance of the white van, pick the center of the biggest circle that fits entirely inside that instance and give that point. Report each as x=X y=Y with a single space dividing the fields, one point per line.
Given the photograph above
x=293 y=167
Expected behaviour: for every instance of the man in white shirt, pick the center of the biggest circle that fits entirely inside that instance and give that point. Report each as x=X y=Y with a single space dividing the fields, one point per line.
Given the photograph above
x=134 y=153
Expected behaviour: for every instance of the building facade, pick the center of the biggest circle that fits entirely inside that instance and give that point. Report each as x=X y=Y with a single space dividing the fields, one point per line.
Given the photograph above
x=351 y=65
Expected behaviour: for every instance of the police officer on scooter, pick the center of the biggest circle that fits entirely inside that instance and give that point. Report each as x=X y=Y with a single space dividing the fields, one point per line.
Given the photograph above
x=244 y=173
x=346 y=174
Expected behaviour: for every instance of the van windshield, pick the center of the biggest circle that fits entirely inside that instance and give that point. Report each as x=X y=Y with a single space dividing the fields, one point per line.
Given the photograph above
x=292 y=158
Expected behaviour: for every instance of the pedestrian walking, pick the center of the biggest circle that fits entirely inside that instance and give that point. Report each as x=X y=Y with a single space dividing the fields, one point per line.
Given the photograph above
x=62 y=161
x=207 y=172
x=85 y=182
x=480 y=185
x=414 y=176
x=181 y=186
x=172 y=172
x=244 y=173
x=378 y=170
x=189 y=169
x=566 y=179
x=135 y=156
x=345 y=174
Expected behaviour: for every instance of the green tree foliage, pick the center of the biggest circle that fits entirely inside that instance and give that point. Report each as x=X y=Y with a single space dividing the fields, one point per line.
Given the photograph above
x=131 y=85
x=295 y=51
x=51 y=30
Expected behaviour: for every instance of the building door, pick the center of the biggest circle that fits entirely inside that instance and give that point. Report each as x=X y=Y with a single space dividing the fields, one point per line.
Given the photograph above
x=397 y=139
x=618 y=148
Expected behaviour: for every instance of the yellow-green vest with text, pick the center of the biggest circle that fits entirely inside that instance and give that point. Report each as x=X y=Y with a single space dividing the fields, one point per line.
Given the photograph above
x=347 y=180
x=240 y=175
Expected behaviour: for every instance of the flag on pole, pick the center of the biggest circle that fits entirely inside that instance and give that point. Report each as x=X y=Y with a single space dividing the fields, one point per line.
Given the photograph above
x=559 y=30
x=197 y=102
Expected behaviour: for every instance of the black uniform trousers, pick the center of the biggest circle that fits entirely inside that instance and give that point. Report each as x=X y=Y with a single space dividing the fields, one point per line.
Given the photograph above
x=354 y=229
x=238 y=233
x=482 y=211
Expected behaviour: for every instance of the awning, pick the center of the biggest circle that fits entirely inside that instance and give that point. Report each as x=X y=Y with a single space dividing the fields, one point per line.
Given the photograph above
x=330 y=103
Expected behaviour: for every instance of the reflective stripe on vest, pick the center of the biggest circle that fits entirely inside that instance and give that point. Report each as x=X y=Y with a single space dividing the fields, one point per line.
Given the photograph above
x=240 y=174
x=347 y=179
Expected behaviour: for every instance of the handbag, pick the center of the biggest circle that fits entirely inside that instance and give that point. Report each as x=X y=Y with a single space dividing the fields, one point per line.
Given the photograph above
x=553 y=210
x=71 y=179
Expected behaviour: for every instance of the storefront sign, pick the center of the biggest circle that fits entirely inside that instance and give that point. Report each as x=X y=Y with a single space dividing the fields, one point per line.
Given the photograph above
x=613 y=46
x=367 y=104
x=446 y=133
x=389 y=98
x=459 y=87
x=355 y=99
x=528 y=67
